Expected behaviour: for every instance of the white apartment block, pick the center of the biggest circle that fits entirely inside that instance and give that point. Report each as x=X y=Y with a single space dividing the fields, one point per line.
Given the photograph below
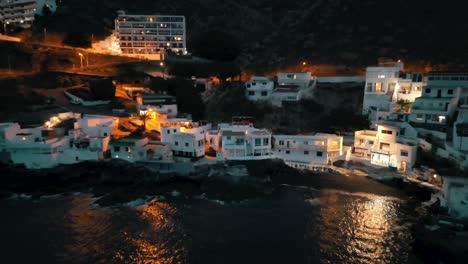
x=310 y=150
x=21 y=12
x=386 y=147
x=186 y=138
x=239 y=142
x=150 y=35
x=385 y=86
x=431 y=112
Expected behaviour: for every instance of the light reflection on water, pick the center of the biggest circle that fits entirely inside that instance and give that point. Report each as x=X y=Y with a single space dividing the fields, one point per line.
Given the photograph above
x=360 y=229
x=148 y=234
x=332 y=227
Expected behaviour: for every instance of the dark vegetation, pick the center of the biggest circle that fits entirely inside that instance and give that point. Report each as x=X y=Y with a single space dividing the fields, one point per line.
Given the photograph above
x=327 y=112
x=270 y=34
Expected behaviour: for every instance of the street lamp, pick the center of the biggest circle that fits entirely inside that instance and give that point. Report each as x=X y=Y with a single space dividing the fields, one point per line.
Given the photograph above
x=5 y=27
x=81 y=59
x=163 y=69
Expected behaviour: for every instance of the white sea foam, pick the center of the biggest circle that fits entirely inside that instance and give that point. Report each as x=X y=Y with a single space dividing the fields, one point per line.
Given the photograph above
x=136 y=203
x=314 y=201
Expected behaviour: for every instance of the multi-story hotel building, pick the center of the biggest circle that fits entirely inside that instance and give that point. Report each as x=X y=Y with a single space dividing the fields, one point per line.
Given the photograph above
x=21 y=12
x=150 y=35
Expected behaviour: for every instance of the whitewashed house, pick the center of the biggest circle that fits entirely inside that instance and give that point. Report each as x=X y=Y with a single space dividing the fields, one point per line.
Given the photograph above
x=186 y=138
x=259 y=89
x=89 y=139
x=386 y=147
x=289 y=87
x=385 y=86
x=454 y=196
x=305 y=151
x=161 y=103
x=34 y=147
x=239 y=142
x=131 y=148
x=431 y=112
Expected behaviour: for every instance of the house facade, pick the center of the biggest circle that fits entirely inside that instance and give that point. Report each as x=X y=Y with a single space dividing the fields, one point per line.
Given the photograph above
x=259 y=89
x=186 y=138
x=431 y=112
x=388 y=90
x=239 y=142
x=386 y=147
x=309 y=150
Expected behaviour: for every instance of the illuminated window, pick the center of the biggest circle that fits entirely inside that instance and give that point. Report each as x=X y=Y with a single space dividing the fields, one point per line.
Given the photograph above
x=441 y=119
x=319 y=143
x=128 y=149
x=419 y=117
x=378 y=87
x=381 y=76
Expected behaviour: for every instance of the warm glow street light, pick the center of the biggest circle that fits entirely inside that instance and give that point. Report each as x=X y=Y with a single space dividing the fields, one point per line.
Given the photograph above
x=81 y=59
x=304 y=63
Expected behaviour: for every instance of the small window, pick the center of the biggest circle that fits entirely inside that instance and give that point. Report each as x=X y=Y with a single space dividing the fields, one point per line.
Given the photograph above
x=253 y=84
x=404 y=153
x=287 y=151
x=281 y=142
x=174 y=130
x=251 y=93
x=117 y=148
x=228 y=137
x=388 y=132
x=419 y=117
x=176 y=143
x=371 y=142
x=319 y=153
x=128 y=149
x=450 y=91
x=186 y=144
x=266 y=141
x=105 y=134
x=264 y=93
x=428 y=90
x=306 y=152
x=168 y=131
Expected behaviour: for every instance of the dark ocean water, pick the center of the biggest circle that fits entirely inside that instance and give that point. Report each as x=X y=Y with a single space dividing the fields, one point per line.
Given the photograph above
x=293 y=225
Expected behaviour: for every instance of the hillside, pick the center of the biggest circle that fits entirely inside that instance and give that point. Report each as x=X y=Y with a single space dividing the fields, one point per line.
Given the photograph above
x=277 y=33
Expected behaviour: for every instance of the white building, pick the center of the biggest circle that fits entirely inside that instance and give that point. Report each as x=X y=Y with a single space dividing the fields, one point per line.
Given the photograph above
x=290 y=87
x=239 y=142
x=21 y=12
x=308 y=150
x=186 y=138
x=161 y=103
x=385 y=86
x=131 y=148
x=431 y=112
x=88 y=140
x=454 y=196
x=150 y=35
x=259 y=89
x=386 y=147
x=47 y=146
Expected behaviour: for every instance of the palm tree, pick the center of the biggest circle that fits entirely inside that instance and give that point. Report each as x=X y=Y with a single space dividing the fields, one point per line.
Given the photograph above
x=148 y=115
x=403 y=105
